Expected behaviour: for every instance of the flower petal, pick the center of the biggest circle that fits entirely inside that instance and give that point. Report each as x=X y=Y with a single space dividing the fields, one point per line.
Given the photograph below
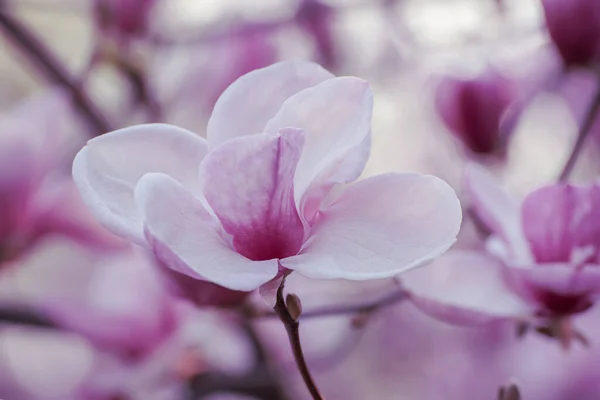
x=496 y=210
x=464 y=287
x=336 y=116
x=559 y=288
x=559 y=220
x=245 y=107
x=248 y=182
x=381 y=227
x=108 y=168
x=185 y=237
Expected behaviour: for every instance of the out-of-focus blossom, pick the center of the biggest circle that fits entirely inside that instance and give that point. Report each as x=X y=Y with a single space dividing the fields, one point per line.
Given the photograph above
x=316 y=19
x=465 y=288
x=37 y=196
x=279 y=139
x=189 y=83
x=126 y=17
x=136 y=335
x=574 y=27
x=120 y=305
x=550 y=243
x=472 y=109
x=545 y=251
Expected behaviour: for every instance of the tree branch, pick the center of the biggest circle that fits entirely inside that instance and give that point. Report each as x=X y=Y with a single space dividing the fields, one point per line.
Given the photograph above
x=48 y=65
x=292 y=327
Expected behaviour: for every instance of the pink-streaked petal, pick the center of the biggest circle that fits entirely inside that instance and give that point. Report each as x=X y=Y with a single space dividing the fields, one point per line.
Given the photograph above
x=463 y=287
x=185 y=237
x=336 y=116
x=559 y=220
x=560 y=278
x=245 y=107
x=497 y=210
x=248 y=182
x=108 y=168
x=381 y=227
x=556 y=289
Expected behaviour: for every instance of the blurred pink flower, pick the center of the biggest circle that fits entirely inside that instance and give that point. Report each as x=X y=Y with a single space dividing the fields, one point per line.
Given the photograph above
x=190 y=82
x=127 y=17
x=37 y=196
x=574 y=27
x=472 y=109
x=114 y=306
x=546 y=252
x=120 y=305
x=279 y=139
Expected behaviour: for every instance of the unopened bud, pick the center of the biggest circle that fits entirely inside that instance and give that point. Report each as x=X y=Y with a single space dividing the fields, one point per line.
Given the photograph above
x=574 y=27
x=472 y=109
x=294 y=305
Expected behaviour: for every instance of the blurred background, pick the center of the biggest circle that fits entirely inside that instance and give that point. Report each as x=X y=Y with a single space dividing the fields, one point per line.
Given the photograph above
x=86 y=316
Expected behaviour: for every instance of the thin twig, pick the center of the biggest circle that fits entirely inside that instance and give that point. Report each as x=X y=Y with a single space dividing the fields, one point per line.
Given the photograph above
x=24 y=316
x=333 y=311
x=292 y=327
x=48 y=65
x=584 y=132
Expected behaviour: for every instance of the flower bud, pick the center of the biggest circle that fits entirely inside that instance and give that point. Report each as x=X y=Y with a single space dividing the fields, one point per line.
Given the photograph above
x=473 y=108
x=574 y=27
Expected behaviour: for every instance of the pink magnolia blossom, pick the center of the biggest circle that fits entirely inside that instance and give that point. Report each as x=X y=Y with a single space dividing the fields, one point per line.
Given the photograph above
x=256 y=197
x=125 y=334
x=542 y=256
x=37 y=197
x=574 y=27
x=472 y=109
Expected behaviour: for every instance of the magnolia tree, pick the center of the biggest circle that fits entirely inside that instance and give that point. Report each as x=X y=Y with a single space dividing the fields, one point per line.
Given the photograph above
x=221 y=215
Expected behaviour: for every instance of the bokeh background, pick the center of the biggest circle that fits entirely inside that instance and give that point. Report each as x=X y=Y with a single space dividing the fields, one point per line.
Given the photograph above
x=85 y=316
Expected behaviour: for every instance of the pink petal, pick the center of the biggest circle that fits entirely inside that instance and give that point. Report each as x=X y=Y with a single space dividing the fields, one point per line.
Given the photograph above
x=558 y=220
x=245 y=107
x=123 y=306
x=248 y=182
x=464 y=288
x=185 y=237
x=496 y=210
x=381 y=227
x=336 y=116
x=58 y=209
x=108 y=168
x=559 y=278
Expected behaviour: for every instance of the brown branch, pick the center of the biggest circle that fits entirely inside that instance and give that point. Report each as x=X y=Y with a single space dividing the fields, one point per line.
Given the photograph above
x=333 y=311
x=292 y=327
x=20 y=315
x=584 y=132
x=49 y=66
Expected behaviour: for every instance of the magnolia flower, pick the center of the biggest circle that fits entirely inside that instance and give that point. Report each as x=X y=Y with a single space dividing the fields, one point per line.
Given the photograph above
x=574 y=27
x=257 y=197
x=542 y=258
x=123 y=333
x=36 y=196
x=473 y=108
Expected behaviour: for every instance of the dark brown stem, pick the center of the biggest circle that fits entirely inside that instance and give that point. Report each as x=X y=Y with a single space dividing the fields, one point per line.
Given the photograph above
x=292 y=327
x=332 y=311
x=584 y=132
x=48 y=65
x=19 y=315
